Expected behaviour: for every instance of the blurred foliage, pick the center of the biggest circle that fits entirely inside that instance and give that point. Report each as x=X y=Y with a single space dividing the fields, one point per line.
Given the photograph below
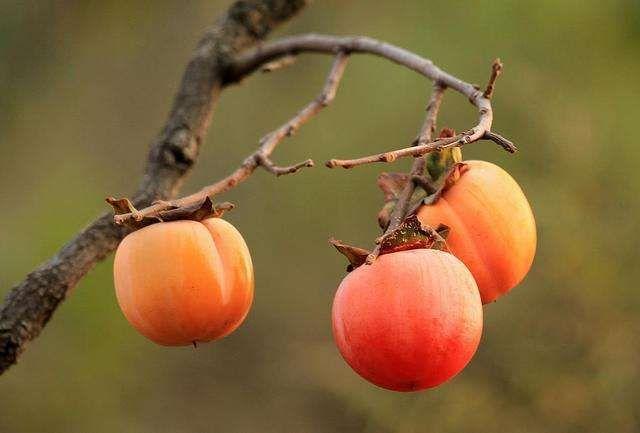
x=85 y=85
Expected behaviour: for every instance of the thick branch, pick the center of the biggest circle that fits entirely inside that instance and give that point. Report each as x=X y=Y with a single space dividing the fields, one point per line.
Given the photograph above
x=30 y=304
x=262 y=156
x=426 y=134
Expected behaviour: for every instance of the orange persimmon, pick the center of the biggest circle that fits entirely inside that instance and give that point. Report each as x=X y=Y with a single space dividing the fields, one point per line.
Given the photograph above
x=493 y=230
x=184 y=282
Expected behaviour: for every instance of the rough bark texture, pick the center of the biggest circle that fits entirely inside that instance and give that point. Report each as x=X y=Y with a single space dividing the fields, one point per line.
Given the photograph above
x=30 y=304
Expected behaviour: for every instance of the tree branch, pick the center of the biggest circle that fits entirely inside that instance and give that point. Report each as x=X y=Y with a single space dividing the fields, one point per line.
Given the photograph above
x=261 y=157
x=294 y=45
x=29 y=305
x=218 y=61
x=282 y=53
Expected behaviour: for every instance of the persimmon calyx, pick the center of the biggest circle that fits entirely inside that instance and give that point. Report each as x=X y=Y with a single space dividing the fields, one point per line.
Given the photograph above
x=127 y=215
x=409 y=235
x=356 y=256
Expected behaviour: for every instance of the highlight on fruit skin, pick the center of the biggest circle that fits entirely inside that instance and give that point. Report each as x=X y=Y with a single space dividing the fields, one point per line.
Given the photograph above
x=409 y=321
x=493 y=230
x=183 y=282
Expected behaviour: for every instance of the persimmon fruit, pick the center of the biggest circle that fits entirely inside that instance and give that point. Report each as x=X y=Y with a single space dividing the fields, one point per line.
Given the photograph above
x=409 y=321
x=493 y=231
x=183 y=282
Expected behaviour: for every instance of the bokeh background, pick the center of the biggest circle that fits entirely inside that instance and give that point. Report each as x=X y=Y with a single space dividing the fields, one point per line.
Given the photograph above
x=85 y=86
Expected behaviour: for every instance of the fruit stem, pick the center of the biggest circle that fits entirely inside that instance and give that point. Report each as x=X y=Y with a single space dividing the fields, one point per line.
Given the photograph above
x=426 y=134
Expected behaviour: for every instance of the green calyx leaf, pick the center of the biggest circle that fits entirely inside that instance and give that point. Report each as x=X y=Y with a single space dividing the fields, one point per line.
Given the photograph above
x=440 y=163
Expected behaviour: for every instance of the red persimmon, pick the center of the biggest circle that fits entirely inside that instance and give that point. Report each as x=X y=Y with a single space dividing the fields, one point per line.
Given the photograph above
x=409 y=321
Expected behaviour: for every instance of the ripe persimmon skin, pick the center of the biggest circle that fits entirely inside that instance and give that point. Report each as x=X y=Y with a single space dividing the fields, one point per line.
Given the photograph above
x=493 y=231
x=183 y=282
x=409 y=321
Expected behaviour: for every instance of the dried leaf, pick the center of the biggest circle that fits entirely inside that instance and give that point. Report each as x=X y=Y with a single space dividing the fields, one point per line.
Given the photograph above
x=121 y=205
x=125 y=212
x=457 y=170
x=384 y=216
x=135 y=224
x=197 y=212
x=356 y=256
x=440 y=241
x=391 y=185
x=447 y=132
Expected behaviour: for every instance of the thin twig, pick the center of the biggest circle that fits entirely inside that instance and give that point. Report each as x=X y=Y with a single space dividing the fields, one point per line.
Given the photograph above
x=404 y=199
x=278 y=64
x=268 y=165
x=500 y=141
x=262 y=156
x=496 y=70
x=415 y=151
x=423 y=149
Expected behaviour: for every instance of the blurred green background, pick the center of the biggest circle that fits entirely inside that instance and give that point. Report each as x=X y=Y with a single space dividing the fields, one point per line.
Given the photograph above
x=86 y=85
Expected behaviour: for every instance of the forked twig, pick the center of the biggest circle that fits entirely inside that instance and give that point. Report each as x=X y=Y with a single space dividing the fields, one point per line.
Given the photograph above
x=261 y=157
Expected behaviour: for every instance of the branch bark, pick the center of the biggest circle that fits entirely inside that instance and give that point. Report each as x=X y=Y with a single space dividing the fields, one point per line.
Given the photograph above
x=30 y=304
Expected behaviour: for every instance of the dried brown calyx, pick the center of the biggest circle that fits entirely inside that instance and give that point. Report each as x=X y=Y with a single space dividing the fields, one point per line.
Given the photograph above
x=411 y=234
x=195 y=212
